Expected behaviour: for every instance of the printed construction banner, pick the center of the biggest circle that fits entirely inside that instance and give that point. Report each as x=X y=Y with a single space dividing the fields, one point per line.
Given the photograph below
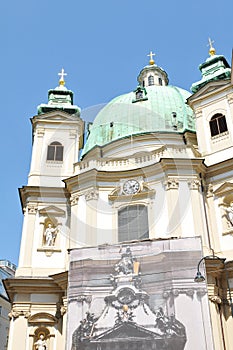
x=140 y=296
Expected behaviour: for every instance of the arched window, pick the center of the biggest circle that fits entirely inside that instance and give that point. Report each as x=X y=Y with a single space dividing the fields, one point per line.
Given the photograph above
x=160 y=82
x=133 y=223
x=218 y=124
x=55 y=151
x=151 y=80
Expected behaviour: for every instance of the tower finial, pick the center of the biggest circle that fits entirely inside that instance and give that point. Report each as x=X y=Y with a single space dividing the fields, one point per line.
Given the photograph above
x=212 y=49
x=151 y=54
x=62 y=74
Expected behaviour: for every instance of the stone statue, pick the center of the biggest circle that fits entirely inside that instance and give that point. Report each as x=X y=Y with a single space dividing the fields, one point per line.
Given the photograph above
x=126 y=265
x=50 y=235
x=41 y=343
x=229 y=211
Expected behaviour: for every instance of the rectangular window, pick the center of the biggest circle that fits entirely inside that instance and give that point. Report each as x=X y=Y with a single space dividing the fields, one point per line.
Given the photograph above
x=59 y=153
x=50 y=153
x=222 y=124
x=133 y=223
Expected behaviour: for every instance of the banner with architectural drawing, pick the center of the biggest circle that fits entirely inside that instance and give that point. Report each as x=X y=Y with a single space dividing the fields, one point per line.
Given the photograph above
x=141 y=296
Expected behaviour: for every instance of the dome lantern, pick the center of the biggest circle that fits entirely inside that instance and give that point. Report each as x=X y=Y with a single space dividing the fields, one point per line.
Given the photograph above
x=152 y=74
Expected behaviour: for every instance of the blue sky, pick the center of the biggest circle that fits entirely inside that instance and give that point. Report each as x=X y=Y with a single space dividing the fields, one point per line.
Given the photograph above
x=102 y=46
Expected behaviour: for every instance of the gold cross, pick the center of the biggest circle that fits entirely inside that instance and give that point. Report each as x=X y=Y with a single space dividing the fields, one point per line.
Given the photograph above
x=62 y=74
x=210 y=43
x=151 y=54
x=212 y=49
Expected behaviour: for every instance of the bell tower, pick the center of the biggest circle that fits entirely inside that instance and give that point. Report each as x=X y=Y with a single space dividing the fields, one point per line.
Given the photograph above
x=57 y=138
x=212 y=102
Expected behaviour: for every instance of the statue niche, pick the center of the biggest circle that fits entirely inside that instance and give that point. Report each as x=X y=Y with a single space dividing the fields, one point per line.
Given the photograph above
x=41 y=339
x=50 y=233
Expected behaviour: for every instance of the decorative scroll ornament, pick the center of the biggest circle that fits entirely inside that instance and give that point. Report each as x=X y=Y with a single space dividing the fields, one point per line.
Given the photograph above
x=171 y=184
x=15 y=314
x=124 y=315
x=74 y=199
x=194 y=184
x=92 y=194
x=210 y=190
x=215 y=299
x=32 y=208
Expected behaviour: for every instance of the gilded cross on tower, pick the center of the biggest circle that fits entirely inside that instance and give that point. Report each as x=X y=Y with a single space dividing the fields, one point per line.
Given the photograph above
x=62 y=74
x=151 y=54
x=212 y=49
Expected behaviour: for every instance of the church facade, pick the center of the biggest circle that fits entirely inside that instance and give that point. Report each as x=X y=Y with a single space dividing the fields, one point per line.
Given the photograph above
x=127 y=236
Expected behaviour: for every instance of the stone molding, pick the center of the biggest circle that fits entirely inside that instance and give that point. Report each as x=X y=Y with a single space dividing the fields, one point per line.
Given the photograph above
x=51 y=210
x=230 y=98
x=40 y=132
x=49 y=250
x=198 y=112
x=82 y=298
x=73 y=133
x=176 y=292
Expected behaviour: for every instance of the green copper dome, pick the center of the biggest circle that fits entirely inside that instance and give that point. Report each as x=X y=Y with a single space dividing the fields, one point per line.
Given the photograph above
x=148 y=109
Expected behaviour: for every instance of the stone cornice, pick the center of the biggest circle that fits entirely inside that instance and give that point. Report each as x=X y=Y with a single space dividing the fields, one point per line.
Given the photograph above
x=209 y=90
x=166 y=166
x=35 y=193
x=20 y=285
x=219 y=168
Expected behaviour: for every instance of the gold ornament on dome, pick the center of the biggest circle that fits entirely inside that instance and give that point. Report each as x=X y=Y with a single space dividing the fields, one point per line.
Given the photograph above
x=212 y=49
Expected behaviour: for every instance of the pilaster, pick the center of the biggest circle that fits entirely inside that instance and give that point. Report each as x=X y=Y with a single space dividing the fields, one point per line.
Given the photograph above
x=91 y=197
x=25 y=260
x=173 y=208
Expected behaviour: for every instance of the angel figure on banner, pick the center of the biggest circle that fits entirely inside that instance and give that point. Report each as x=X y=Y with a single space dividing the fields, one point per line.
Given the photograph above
x=229 y=213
